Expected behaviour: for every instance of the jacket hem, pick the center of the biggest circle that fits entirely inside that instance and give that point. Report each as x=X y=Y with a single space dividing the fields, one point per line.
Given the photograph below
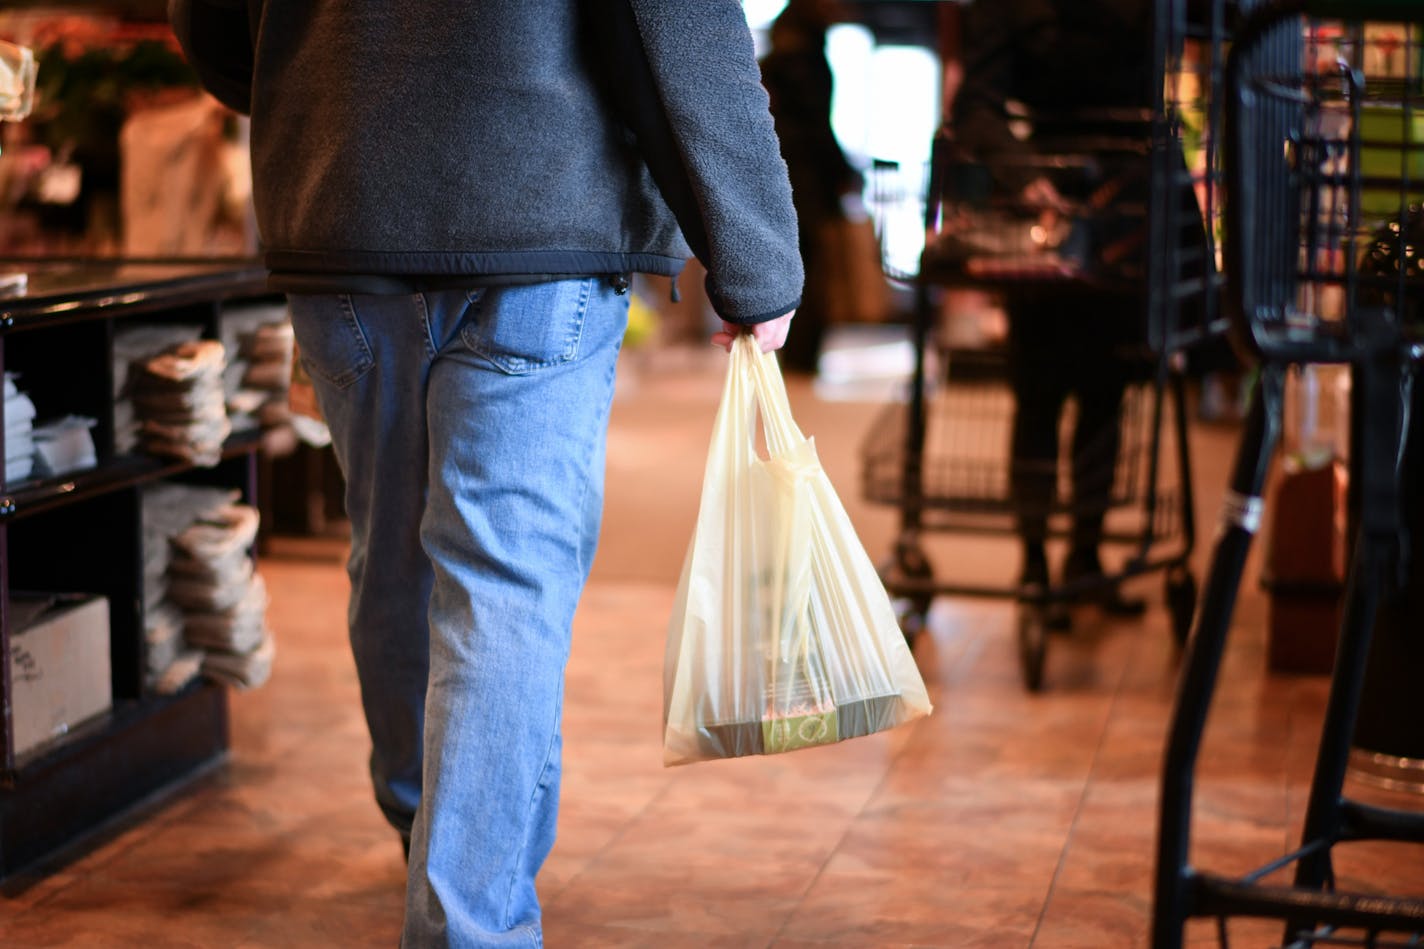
x=475 y=263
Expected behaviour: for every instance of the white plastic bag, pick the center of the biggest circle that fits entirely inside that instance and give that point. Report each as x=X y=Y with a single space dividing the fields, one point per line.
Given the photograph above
x=782 y=635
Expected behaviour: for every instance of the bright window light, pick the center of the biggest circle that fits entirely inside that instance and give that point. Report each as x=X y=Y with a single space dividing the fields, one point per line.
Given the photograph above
x=850 y=50
x=904 y=84
x=760 y=13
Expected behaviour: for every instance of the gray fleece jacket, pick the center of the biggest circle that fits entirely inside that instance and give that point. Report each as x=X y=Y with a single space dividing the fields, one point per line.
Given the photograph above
x=521 y=139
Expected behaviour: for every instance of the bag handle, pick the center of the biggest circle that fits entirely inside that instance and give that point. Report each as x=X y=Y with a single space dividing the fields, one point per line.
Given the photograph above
x=782 y=433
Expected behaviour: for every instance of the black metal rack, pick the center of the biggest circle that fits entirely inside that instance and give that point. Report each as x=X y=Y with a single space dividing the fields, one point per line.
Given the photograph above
x=1325 y=175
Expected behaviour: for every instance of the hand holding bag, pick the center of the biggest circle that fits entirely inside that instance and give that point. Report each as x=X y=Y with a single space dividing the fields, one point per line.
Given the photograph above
x=782 y=635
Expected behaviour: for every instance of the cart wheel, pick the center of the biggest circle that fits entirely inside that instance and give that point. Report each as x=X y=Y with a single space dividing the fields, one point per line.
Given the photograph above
x=911 y=610
x=910 y=614
x=1181 y=592
x=1033 y=645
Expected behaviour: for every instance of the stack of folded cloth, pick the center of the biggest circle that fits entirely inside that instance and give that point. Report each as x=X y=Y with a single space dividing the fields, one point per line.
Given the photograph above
x=223 y=598
x=259 y=342
x=19 y=432
x=168 y=509
x=178 y=399
x=209 y=605
x=43 y=451
x=134 y=344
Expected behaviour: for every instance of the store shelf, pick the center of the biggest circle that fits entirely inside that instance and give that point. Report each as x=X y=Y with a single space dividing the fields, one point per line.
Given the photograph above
x=82 y=534
x=66 y=790
x=60 y=291
x=33 y=497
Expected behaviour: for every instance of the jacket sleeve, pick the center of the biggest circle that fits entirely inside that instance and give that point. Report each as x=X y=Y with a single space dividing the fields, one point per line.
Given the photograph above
x=713 y=152
x=217 y=41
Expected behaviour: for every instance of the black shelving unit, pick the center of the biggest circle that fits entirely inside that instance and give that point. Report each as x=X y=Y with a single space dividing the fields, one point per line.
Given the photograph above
x=83 y=533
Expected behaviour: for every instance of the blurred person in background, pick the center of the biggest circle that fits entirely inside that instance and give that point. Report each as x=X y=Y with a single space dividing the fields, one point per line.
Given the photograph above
x=798 y=79
x=1058 y=58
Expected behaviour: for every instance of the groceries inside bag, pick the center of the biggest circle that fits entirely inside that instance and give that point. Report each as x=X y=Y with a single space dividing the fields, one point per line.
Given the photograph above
x=782 y=635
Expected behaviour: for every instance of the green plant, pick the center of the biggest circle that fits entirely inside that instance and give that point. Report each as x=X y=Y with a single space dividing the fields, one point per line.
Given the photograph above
x=83 y=95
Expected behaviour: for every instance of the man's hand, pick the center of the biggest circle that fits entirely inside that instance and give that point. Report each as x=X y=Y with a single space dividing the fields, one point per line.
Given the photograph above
x=769 y=335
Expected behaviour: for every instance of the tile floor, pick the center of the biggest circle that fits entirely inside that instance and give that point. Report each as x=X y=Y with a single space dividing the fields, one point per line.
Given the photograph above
x=1003 y=820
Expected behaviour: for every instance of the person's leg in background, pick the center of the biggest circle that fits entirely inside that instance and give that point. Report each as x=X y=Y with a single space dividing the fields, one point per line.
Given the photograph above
x=1097 y=436
x=1039 y=384
x=514 y=384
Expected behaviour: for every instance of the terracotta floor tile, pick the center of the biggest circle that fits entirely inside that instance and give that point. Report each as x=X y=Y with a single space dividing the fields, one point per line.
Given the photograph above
x=859 y=941
x=835 y=781
x=781 y=850
x=697 y=909
x=1095 y=919
x=559 y=932
x=848 y=903
x=957 y=853
x=1242 y=933
x=1113 y=841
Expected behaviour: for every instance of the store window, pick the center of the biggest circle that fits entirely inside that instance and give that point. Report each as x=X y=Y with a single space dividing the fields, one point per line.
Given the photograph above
x=885 y=109
x=886 y=102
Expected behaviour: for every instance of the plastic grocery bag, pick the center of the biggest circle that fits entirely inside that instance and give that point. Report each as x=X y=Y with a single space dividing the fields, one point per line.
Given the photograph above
x=782 y=635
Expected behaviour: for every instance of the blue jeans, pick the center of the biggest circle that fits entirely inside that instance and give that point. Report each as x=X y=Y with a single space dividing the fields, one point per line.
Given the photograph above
x=470 y=426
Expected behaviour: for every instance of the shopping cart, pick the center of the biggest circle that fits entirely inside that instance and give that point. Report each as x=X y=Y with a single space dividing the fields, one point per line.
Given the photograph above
x=1138 y=185
x=1324 y=152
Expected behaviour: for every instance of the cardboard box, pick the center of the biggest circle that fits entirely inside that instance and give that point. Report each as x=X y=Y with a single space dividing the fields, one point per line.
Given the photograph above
x=59 y=664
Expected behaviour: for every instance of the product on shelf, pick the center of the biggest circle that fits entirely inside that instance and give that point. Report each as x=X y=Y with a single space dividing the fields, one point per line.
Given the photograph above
x=197 y=559
x=163 y=636
x=182 y=670
x=17 y=81
x=59 y=664
x=133 y=345
x=19 y=431
x=178 y=398
x=240 y=671
x=64 y=446
x=73 y=342
x=256 y=381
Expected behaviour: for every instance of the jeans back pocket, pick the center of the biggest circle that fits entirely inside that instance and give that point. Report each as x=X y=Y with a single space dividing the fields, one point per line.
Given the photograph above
x=329 y=336
x=525 y=328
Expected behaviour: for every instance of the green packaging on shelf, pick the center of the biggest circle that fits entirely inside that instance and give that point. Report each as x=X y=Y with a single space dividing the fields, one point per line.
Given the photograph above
x=1391 y=151
x=59 y=665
